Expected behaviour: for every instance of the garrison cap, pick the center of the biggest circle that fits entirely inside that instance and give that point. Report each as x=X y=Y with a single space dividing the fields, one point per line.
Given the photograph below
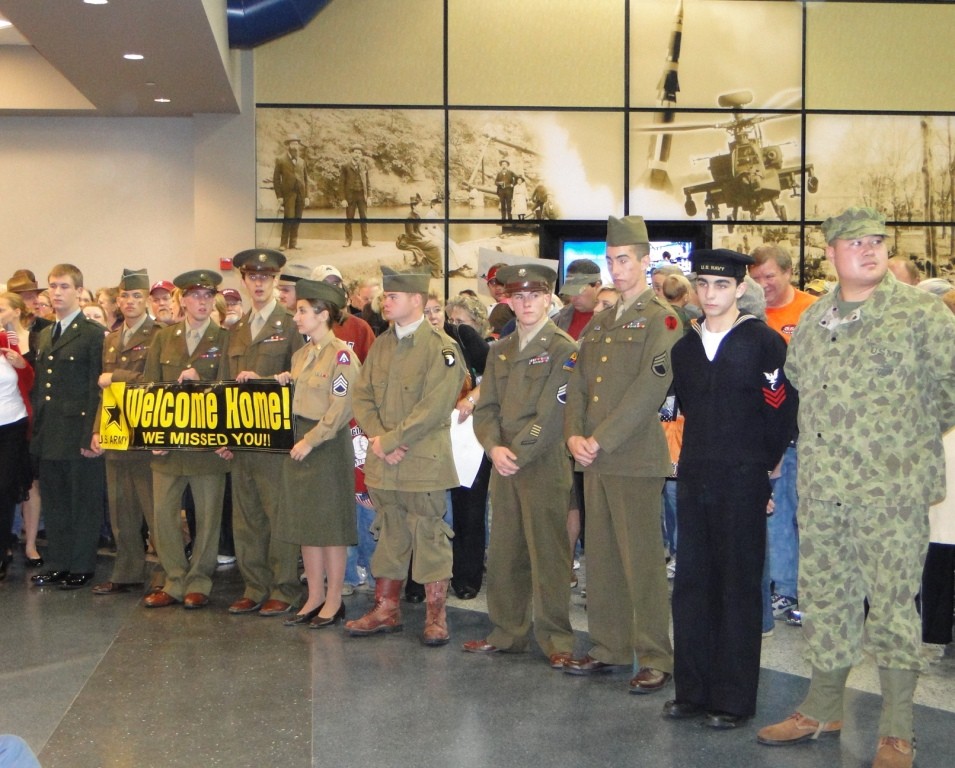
x=853 y=222
x=22 y=281
x=293 y=273
x=720 y=261
x=404 y=282
x=198 y=279
x=134 y=279
x=259 y=260
x=630 y=230
x=534 y=276
x=322 y=291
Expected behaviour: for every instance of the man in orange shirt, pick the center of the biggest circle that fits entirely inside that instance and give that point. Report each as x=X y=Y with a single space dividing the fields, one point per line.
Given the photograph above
x=773 y=270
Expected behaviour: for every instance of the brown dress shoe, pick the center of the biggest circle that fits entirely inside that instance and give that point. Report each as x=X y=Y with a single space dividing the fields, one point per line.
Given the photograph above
x=479 y=646
x=245 y=605
x=196 y=600
x=559 y=660
x=274 y=608
x=159 y=599
x=587 y=666
x=649 y=680
x=114 y=588
x=894 y=752
x=796 y=728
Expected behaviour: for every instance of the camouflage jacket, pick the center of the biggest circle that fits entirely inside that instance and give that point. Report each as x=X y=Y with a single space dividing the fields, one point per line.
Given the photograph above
x=876 y=392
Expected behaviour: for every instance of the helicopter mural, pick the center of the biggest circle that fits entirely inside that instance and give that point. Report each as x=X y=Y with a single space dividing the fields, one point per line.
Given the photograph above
x=751 y=174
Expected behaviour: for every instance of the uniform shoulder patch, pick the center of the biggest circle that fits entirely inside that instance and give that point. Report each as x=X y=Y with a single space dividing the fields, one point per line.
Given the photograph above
x=449 y=358
x=570 y=362
x=343 y=358
x=340 y=385
x=660 y=365
x=671 y=322
x=562 y=394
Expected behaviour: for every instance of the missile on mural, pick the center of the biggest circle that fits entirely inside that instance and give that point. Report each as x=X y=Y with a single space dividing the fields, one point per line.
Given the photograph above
x=668 y=88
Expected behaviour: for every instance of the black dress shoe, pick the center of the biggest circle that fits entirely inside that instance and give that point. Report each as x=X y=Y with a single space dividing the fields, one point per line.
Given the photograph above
x=34 y=562
x=414 y=597
x=319 y=623
x=724 y=721
x=76 y=580
x=4 y=563
x=465 y=593
x=681 y=710
x=50 y=577
x=302 y=618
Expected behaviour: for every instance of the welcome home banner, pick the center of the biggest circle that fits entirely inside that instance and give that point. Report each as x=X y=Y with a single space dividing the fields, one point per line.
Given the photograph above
x=197 y=415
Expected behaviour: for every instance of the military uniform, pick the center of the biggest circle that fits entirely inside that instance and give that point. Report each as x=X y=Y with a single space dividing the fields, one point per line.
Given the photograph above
x=521 y=408
x=203 y=471
x=405 y=394
x=620 y=380
x=129 y=478
x=65 y=408
x=268 y=565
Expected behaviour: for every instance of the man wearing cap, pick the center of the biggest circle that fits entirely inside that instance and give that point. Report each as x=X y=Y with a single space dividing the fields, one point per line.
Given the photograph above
x=519 y=421
x=233 y=307
x=612 y=428
x=128 y=474
x=261 y=345
x=65 y=408
x=504 y=182
x=740 y=414
x=160 y=302
x=408 y=387
x=285 y=286
x=290 y=182
x=785 y=304
x=355 y=191
x=191 y=350
x=353 y=330
x=580 y=287
x=873 y=364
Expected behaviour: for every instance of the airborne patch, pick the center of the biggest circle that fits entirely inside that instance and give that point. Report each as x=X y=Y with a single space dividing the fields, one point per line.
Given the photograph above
x=562 y=394
x=343 y=358
x=570 y=362
x=449 y=358
x=659 y=365
x=340 y=385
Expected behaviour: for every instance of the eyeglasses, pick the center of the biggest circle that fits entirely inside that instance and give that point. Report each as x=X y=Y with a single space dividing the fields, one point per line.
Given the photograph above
x=259 y=277
x=433 y=310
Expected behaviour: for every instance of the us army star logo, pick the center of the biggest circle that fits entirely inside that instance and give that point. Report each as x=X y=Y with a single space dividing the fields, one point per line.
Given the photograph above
x=113 y=414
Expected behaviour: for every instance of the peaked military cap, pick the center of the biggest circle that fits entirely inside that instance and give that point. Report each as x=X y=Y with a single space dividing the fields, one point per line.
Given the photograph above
x=534 y=276
x=322 y=291
x=134 y=279
x=259 y=260
x=853 y=222
x=630 y=230
x=198 y=279
x=721 y=262
x=404 y=282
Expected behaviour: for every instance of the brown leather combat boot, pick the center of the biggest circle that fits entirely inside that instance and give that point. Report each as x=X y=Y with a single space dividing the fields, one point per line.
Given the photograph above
x=385 y=616
x=436 y=622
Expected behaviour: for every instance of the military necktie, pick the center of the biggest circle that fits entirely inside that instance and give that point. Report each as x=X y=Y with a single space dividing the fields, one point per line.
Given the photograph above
x=192 y=340
x=56 y=331
x=256 y=325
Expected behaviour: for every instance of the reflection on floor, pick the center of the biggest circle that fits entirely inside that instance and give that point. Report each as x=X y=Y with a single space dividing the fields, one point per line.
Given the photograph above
x=101 y=681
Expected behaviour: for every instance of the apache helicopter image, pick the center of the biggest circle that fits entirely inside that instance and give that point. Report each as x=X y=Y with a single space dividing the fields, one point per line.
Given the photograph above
x=750 y=174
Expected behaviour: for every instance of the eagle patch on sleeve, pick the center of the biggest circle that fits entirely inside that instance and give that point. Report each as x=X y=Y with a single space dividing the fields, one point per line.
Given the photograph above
x=449 y=358
x=660 y=365
x=775 y=393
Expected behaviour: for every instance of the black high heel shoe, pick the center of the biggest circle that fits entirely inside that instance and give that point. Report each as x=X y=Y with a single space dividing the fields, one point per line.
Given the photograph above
x=302 y=618
x=319 y=623
x=34 y=562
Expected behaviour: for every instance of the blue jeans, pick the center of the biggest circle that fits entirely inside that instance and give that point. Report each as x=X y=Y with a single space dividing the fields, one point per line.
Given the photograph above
x=361 y=554
x=669 y=515
x=782 y=532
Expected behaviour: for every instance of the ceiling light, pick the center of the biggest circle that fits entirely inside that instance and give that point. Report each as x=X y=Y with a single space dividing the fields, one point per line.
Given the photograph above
x=162 y=100
x=133 y=56
x=96 y=2
x=4 y=23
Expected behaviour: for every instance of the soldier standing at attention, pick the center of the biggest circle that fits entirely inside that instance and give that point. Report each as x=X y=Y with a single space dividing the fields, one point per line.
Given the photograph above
x=129 y=480
x=261 y=345
x=69 y=359
x=190 y=350
x=519 y=421
x=873 y=364
x=612 y=427
x=408 y=387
